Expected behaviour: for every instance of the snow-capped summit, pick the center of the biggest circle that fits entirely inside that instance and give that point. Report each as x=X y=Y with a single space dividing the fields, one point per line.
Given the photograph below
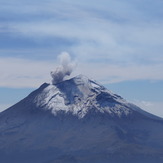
x=79 y=120
x=79 y=95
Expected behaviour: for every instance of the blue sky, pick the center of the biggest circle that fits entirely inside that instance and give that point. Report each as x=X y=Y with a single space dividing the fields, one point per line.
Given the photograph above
x=117 y=42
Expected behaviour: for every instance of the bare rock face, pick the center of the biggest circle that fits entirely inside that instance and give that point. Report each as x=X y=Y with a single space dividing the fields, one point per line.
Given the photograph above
x=79 y=121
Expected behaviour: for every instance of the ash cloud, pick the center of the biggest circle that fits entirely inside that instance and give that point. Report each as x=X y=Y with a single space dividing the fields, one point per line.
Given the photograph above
x=65 y=69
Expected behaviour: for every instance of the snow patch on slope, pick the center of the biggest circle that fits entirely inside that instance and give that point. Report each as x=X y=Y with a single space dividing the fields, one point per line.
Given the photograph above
x=51 y=99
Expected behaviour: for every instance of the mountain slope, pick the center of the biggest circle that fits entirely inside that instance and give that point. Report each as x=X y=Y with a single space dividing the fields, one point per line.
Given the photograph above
x=78 y=120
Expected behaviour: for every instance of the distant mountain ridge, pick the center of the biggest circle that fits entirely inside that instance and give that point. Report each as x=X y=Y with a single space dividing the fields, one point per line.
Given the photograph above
x=79 y=120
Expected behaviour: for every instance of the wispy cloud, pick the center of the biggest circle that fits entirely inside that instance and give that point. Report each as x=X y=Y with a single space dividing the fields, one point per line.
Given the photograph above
x=152 y=107
x=119 y=36
x=111 y=41
x=124 y=39
x=111 y=73
x=16 y=72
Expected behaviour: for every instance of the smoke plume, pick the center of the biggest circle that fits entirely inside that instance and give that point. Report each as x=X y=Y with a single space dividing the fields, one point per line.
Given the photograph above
x=65 y=69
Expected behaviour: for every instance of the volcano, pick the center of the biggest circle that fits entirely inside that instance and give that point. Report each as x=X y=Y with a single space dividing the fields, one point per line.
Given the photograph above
x=79 y=121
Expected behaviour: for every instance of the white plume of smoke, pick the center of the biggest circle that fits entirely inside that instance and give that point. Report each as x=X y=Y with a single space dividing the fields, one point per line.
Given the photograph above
x=65 y=69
